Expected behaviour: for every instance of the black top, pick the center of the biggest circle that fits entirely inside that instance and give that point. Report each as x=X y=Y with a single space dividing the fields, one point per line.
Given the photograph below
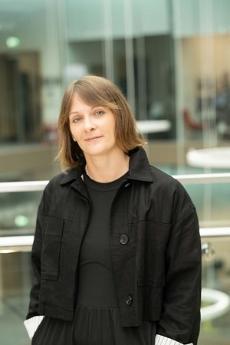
x=96 y=285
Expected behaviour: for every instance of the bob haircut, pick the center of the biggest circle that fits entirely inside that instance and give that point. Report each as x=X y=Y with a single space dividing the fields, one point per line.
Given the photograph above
x=96 y=91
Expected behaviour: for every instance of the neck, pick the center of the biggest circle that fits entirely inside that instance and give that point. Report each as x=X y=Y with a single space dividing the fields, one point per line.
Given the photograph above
x=107 y=169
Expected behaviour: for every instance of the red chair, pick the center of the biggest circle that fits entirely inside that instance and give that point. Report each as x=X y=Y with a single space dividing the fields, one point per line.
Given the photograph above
x=190 y=123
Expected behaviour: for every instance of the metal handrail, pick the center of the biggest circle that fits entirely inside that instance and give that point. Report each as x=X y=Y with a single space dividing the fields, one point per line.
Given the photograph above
x=33 y=186
x=203 y=178
x=25 y=186
x=215 y=232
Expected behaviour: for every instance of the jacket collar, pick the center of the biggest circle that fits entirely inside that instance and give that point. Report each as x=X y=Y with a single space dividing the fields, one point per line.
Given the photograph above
x=139 y=168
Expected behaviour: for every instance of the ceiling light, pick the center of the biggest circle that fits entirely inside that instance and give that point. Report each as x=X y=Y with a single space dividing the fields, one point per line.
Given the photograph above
x=21 y=221
x=12 y=42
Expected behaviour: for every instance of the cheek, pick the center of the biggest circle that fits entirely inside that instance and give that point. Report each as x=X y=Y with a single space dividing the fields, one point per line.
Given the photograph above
x=114 y=134
x=110 y=132
x=74 y=131
x=111 y=127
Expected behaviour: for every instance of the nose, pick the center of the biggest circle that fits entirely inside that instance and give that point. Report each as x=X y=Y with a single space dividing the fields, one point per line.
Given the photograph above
x=89 y=123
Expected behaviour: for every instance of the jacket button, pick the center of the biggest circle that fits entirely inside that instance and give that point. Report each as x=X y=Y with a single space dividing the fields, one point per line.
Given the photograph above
x=127 y=184
x=129 y=300
x=124 y=239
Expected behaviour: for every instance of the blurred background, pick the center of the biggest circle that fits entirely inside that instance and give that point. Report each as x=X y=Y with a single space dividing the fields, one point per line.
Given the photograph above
x=171 y=58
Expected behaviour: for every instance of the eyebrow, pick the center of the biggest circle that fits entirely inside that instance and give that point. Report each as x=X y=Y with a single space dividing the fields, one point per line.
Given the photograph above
x=74 y=113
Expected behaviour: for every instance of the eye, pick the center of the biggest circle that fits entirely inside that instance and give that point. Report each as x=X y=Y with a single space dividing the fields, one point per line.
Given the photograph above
x=76 y=119
x=99 y=112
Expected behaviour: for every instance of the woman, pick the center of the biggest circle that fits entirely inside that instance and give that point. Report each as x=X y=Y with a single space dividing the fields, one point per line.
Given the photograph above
x=116 y=255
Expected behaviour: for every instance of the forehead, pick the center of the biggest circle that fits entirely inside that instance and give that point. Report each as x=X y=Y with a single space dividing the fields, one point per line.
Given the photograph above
x=77 y=101
x=78 y=104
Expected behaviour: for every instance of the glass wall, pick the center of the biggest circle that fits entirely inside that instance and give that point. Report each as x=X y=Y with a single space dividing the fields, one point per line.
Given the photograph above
x=171 y=60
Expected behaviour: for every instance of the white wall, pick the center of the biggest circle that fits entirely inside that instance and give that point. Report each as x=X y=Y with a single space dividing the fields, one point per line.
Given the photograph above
x=195 y=17
x=88 y=19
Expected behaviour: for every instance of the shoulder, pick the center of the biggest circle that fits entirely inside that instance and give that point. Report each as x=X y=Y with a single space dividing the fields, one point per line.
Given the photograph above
x=59 y=178
x=161 y=176
x=170 y=187
x=56 y=190
x=162 y=179
x=57 y=182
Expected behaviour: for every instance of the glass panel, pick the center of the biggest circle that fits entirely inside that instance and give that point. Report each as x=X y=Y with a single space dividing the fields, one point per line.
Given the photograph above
x=15 y=282
x=15 y=285
x=212 y=203
x=216 y=293
x=126 y=41
x=169 y=57
x=30 y=87
x=201 y=35
x=18 y=212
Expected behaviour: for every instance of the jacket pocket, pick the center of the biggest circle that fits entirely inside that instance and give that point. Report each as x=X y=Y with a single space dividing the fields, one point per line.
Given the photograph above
x=51 y=248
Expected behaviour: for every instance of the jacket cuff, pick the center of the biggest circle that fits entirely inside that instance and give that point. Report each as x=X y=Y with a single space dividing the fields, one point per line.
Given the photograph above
x=32 y=324
x=160 y=340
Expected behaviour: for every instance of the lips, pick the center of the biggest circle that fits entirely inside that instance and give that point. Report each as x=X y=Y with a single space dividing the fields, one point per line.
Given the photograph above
x=89 y=139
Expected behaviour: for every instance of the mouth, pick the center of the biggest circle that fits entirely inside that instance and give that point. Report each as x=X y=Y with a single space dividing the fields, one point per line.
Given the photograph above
x=94 y=138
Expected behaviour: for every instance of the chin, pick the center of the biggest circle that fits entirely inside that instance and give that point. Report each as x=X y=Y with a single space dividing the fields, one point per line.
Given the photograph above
x=94 y=151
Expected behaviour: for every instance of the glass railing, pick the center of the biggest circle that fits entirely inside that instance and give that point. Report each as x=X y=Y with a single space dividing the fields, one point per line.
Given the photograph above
x=19 y=202
x=215 y=311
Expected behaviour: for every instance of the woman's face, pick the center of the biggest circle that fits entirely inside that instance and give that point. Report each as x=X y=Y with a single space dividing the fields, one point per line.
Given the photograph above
x=93 y=127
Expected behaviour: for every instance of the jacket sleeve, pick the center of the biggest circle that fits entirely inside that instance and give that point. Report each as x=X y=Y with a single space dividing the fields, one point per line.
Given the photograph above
x=36 y=262
x=180 y=317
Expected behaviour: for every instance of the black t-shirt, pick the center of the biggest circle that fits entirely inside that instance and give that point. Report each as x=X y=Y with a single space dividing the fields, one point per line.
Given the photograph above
x=96 y=285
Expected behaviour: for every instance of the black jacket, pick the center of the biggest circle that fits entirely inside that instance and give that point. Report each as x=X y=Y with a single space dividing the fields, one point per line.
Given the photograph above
x=155 y=250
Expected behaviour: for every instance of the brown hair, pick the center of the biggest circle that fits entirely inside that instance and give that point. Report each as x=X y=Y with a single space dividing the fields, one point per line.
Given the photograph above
x=95 y=90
